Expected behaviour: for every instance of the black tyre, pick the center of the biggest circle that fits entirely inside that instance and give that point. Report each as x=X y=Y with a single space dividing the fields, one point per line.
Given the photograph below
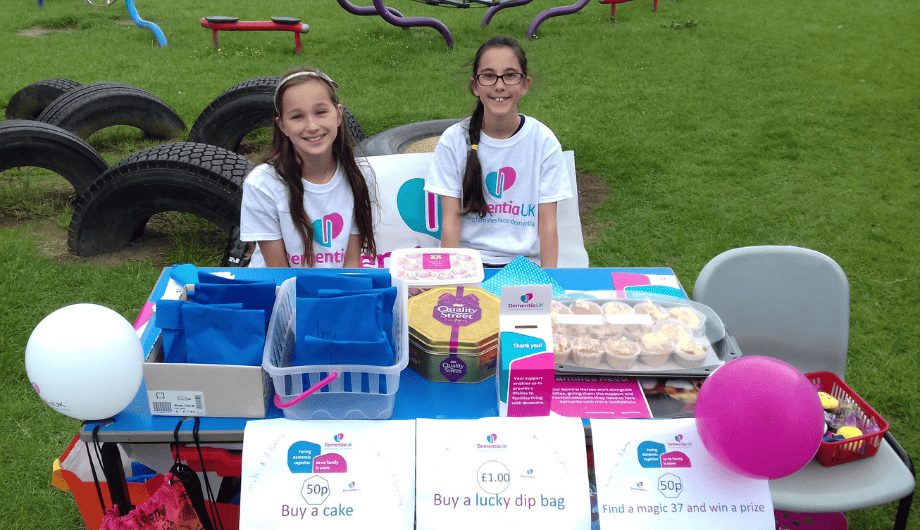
x=202 y=180
x=395 y=141
x=29 y=102
x=27 y=143
x=89 y=108
x=244 y=108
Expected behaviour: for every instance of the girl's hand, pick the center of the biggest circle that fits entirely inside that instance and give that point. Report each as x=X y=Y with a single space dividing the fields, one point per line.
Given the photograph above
x=353 y=252
x=450 y=222
x=275 y=253
x=549 y=237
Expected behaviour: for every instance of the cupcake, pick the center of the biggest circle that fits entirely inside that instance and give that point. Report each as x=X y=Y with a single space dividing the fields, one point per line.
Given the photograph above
x=682 y=389
x=586 y=307
x=621 y=354
x=562 y=348
x=589 y=308
x=651 y=386
x=689 y=353
x=612 y=309
x=673 y=329
x=649 y=308
x=635 y=331
x=654 y=349
x=587 y=352
x=689 y=316
x=557 y=308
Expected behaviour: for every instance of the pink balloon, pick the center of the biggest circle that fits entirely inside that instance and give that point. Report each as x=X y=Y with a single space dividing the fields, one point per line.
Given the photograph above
x=760 y=417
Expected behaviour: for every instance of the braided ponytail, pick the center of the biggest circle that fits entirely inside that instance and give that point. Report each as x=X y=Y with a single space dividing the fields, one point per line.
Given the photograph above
x=474 y=199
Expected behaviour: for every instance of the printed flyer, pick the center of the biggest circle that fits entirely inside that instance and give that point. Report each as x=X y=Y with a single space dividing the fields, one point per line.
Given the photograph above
x=328 y=474
x=655 y=475
x=586 y=396
x=502 y=473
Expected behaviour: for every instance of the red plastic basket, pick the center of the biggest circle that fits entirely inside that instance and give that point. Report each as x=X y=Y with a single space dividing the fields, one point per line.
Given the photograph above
x=833 y=453
x=810 y=521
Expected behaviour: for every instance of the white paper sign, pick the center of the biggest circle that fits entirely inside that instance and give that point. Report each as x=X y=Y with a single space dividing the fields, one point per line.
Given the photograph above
x=657 y=475
x=502 y=473
x=328 y=474
x=411 y=217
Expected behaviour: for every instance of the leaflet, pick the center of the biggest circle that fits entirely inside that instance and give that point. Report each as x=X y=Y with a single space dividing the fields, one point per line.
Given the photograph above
x=655 y=475
x=502 y=473
x=328 y=474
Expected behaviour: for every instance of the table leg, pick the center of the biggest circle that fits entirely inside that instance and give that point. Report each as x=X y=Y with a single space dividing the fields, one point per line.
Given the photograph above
x=115 y=477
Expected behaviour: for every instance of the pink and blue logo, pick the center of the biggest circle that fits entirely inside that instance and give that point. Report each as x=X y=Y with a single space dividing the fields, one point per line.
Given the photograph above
x=491 y=438
x=639 y=484
x=327 y=229
x=351 y=484
x=338 y=437
x=419 y=209
x=679 y=437
x=530 y=471
x=498 y=182
x=526 y=297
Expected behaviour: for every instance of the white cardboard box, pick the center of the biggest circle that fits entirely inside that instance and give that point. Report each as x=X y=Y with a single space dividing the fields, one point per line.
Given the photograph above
x=216 y=390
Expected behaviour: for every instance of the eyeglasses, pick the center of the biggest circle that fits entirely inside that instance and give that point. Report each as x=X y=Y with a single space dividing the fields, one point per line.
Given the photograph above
x=511 y=78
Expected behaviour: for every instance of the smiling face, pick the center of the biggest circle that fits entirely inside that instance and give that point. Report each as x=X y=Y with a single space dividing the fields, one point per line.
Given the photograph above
x=310 y=118
x=499 y=100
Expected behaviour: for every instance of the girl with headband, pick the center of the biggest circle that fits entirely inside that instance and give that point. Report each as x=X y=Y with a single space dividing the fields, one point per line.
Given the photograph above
x=310 y=203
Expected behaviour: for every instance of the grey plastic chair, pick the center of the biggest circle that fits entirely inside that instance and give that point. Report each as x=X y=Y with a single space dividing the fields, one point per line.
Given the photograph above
x=793 y=304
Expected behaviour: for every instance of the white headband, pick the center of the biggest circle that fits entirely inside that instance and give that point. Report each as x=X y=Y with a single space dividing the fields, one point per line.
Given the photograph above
x=317 y=73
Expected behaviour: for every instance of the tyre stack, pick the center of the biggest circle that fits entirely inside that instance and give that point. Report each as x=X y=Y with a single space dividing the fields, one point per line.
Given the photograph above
x=48 y=123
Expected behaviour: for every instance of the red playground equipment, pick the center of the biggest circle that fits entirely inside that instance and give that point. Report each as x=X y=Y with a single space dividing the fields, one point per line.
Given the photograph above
x=293 y=25
x=613 y=7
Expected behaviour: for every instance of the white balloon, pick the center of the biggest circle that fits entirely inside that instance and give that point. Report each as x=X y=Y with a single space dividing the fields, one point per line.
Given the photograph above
x=85 y=361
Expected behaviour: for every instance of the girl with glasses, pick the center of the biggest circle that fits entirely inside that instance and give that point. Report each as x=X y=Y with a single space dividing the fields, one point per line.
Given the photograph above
x=499 y=173
x=309 y=204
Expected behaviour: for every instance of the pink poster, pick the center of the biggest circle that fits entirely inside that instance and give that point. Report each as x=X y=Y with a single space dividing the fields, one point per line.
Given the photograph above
x=599 y=397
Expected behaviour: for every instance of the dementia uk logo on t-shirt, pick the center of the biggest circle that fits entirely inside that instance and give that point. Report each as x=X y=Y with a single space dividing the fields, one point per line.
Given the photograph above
x=498 y=183
x=325 y=231
x=328 y=228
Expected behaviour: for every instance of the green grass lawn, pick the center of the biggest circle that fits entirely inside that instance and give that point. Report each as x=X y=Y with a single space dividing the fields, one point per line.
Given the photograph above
x=715 y=125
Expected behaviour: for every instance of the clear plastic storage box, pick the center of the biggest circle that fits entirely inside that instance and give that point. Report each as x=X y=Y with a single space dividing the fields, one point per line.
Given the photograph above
x=427 y=268
x=360 y=392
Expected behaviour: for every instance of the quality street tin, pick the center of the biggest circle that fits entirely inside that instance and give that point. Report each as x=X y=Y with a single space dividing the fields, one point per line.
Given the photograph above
x=453 y=334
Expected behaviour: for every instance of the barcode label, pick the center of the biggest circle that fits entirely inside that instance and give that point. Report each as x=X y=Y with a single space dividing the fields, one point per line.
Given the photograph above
x=176 y=402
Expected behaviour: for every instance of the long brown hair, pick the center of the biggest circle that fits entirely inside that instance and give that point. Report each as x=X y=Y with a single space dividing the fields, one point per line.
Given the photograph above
x=474 y=197
x=284 y=159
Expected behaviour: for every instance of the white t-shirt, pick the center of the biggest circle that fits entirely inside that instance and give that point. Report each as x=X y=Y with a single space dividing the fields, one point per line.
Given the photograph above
x=520 y=173
x=266 y=216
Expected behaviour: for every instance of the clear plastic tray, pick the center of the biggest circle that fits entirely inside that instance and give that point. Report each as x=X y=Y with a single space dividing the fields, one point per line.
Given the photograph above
x=720 y=347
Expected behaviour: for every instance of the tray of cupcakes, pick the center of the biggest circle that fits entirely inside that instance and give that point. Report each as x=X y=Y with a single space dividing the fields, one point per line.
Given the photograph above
x=666 y=336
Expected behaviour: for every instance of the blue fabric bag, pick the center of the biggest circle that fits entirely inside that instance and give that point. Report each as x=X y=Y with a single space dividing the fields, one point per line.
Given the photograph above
x=343 y=320
x=308 y=286
x=337 y=352
x=255 y=295
x=389 y=301
x=210 y=334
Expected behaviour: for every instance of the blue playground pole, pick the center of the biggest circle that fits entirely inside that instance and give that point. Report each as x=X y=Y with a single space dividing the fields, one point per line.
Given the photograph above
x=161 y=39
